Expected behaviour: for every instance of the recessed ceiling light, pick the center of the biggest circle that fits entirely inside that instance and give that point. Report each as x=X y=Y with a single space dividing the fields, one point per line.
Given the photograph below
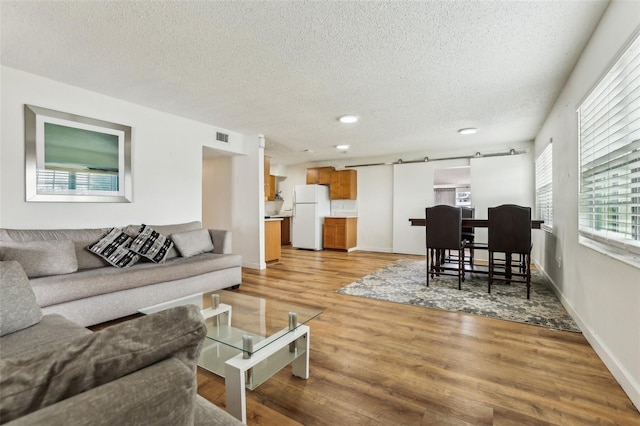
x=308 y=151
x=348 y=119
x=342 y=147
x=468 y=131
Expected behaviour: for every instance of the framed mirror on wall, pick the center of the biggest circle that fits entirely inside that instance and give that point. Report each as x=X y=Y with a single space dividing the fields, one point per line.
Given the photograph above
x=71 y=158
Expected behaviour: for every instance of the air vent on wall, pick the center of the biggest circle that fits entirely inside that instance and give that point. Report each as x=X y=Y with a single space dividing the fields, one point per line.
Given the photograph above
x=222 y=137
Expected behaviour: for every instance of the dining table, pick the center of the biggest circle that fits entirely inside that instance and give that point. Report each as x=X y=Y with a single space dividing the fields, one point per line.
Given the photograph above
x=480 y=223
x=472 y=223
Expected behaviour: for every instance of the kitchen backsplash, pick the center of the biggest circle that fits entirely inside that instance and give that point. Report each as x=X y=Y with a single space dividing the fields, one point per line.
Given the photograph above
x=273 y=207
x=344 y=207
x=338 y=208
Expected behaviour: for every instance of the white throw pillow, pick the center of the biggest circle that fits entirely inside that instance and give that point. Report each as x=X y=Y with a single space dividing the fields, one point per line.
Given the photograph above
x=192 y=243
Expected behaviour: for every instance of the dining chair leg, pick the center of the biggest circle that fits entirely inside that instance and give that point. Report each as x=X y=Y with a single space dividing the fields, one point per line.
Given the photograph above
x=490 y=270
x=460 y=276
x=528 y=273
x=428 y=267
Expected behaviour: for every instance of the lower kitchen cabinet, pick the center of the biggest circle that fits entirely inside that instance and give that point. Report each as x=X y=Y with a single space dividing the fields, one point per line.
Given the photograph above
x=285 y=231
x=272 y=244
x=340 y=233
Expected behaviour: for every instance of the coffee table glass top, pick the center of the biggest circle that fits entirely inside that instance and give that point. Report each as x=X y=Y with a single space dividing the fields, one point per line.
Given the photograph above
x=240 y=315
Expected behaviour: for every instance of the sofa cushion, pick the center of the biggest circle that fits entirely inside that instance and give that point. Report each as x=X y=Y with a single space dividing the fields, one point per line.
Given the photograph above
x=51 y=332
x=114 y=248
x=41 y=258
x=30 y=383
x=64 y=288
x=192 y=243
x=151 y=244
x=81 y=239
x=160 y=394
x=18 y=307
x=167 y=230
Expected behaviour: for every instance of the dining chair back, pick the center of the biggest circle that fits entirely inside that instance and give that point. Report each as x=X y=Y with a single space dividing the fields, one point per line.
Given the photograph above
x=510 y=233
x=444 y=233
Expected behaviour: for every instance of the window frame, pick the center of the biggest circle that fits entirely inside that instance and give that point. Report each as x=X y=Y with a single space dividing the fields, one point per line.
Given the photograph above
x=544 y=187
x=604 y=156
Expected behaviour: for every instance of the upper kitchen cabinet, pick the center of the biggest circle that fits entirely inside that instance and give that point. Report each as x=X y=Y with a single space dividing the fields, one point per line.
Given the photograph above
x=319 y=175
x=269 y=181
x=344 y=185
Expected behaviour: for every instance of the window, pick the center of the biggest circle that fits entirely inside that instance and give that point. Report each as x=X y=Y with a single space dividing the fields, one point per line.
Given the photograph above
x=544 y=188
x=609 y=132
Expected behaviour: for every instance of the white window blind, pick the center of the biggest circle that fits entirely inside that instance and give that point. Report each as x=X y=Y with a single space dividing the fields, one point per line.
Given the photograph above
x=544 y=187
x=609 y=131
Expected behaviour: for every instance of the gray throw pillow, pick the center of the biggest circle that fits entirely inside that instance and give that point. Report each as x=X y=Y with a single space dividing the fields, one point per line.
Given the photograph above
x=28 y=384
x=151 y=244
x=18 y=306
x=114 y=248
x=41 y=258
x=192 y=243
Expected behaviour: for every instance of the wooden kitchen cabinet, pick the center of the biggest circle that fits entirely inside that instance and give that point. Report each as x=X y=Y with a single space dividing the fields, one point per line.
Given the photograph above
x=271 y=194
x=319 y=175
x=340 y=233
x=344 y=185
x=285 y=231
x=272 y=250
x=267 y=181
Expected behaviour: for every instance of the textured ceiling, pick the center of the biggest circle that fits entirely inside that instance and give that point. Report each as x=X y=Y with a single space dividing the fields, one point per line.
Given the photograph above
x=416 y=72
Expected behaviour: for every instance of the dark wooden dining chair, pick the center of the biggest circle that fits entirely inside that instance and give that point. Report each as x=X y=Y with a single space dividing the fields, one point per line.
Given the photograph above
x=443 y=232
x=510 y=234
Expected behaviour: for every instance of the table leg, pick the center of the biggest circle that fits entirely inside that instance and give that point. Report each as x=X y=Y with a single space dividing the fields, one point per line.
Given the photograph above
x=300 y=366
x=235 y=392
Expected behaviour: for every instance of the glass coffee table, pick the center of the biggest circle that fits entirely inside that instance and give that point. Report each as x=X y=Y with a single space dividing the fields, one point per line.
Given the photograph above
x=249 y=339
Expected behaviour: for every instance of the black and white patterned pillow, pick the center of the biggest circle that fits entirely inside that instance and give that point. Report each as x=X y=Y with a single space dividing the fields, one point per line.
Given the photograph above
x=151 y=244
x=114 y=248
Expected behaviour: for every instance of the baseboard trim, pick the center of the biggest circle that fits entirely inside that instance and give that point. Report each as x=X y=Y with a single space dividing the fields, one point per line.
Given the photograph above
x=629 y=385
x=376 y=249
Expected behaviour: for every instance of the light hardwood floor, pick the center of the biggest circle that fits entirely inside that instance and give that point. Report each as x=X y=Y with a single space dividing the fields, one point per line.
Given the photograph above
x=381 y=363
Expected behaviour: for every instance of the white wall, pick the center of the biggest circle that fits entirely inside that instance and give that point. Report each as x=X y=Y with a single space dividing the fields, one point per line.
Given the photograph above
x=247 y=204
x=375 y=208
x=166 y=159
x=500 y=180
x=602 y=293
x=217 y=178
x=412 y=193
x=167 y=167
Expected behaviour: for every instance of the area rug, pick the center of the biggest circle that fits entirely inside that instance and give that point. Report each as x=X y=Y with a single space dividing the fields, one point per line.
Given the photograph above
x=404 y=281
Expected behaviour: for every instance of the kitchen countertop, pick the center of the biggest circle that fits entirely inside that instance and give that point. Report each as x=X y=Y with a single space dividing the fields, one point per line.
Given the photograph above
x=272 y=219
x=342 y=216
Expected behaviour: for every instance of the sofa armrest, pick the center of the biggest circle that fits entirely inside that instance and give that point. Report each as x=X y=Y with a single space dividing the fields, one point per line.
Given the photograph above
x=221 y=239
x=206 y=413
x=163 y=393
x=28 y=384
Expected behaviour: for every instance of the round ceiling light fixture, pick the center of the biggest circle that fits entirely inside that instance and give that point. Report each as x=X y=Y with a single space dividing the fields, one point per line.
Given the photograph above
x=348 y=119
x=342 y=147
x=468 y=131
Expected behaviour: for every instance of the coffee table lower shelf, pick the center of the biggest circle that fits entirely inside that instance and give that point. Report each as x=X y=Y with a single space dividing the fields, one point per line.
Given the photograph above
x=241 y=370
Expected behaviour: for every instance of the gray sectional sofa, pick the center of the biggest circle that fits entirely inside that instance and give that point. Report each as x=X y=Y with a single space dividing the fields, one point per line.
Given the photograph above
x=139 y=372
x=70 y=280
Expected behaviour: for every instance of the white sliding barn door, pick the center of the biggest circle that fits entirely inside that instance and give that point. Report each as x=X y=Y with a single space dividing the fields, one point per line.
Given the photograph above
x=500 y=180
x=412 y=193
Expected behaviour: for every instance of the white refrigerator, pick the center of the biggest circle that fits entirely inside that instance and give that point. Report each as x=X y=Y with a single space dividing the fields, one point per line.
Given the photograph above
x=311 y=205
